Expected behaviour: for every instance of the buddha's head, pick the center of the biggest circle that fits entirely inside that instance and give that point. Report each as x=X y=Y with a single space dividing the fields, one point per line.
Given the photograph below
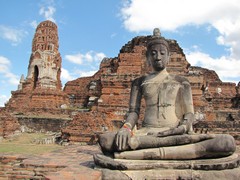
x=157 y=51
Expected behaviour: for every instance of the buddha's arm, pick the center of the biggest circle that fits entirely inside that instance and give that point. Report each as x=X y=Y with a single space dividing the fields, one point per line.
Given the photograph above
x=124 y=133
x=134 y=104
x=188 y=111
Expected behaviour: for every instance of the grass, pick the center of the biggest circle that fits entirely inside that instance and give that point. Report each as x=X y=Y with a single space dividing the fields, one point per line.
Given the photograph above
x=23 y=144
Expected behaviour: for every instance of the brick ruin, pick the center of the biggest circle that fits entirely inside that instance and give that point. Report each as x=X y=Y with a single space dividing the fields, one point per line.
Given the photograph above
x=41 y=91
x=100 y=103
x=9 y=124
x=107 y=92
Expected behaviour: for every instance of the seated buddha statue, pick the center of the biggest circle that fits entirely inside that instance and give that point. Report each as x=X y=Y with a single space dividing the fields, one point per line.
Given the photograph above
x=166 y=131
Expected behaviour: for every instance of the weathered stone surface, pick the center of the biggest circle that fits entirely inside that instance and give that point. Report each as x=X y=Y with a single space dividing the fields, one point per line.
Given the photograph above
x=222 y=168
x=72 y=162
x=229 y=162
x=162 y=174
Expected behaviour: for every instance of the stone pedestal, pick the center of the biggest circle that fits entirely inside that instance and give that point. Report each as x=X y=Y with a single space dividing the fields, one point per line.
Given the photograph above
x=220 y=168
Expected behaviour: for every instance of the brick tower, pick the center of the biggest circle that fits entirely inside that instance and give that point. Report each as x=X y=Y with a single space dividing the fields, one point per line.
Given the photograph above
x=41 y=91
x=45 y=61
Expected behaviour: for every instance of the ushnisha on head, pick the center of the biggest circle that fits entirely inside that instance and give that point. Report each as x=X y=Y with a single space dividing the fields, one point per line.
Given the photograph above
x=157 y=39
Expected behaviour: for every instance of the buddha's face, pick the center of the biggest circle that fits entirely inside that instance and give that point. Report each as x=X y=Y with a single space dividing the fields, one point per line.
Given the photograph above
x=158 y=56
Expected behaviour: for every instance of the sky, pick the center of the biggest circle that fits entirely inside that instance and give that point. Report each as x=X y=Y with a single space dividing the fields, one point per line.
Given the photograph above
x=208 y=31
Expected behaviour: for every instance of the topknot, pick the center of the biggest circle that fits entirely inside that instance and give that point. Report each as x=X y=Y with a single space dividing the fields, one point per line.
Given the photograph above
x=156 y=38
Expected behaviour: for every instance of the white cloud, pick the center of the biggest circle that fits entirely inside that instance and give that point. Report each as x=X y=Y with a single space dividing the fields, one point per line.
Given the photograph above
x=226 y=68
x=223 y=15
x=113 y=35
x=91 y=59
x=3 y=100
x=13 y=35
x=65 y=75
x=139 y=15
x=47 y=9
x=12 y=78
x=4 y=61
x=5 y=71
x=99 y=57
x=48 y=12
x=34 y=24
x=86 y=73
x=87 y=58
x=76 y=58
x=229 y=30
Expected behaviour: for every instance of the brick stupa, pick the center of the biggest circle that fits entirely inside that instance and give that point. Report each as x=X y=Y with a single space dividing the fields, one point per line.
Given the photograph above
x=41 y=91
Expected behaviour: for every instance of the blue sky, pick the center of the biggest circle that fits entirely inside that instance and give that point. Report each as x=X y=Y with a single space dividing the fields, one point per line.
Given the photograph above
x=208 y=32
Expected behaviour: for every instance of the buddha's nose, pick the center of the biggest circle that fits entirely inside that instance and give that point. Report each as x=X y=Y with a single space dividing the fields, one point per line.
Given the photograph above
x=159 y=56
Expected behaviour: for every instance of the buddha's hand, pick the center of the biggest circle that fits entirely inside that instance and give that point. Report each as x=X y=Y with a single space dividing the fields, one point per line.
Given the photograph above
x=171 y=132
x=122 y=138
x=185 y=127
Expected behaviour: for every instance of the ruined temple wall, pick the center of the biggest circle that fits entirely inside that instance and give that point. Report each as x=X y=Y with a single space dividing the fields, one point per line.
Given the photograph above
x=84 y=126
x=115 y=97
x=114 y=85
x=196 y=84
x=19 y=101
x=222 y=95
x=83 y=91
x=209 y=75
x=78 y=91
x=177 y=64
x=224 y=89
x=131 y=63
x=48 y=99
x=8 y=124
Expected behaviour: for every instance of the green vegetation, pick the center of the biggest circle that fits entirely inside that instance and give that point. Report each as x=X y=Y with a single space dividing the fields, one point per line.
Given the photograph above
x=24 y=144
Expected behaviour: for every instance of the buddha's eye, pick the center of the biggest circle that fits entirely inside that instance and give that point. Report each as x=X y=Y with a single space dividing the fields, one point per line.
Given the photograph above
x=163 y=52
x=153 y=52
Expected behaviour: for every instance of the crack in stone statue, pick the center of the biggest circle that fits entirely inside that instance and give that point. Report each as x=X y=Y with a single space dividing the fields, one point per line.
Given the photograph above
x=166 y=131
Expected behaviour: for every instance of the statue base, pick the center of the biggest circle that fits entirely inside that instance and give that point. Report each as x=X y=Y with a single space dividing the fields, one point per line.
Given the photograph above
x=219 y=168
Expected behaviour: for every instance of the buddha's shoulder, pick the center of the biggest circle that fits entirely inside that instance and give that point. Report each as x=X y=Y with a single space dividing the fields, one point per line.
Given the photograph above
x=170 y=79
x=139 y=80
x=178 y=79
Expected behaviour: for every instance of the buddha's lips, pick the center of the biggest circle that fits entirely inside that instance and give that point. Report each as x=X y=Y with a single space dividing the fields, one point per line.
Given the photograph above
x=158 y=62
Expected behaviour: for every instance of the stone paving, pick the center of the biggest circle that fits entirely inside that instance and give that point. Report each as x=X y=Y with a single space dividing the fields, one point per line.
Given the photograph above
x=74 y=162
x=78 y=162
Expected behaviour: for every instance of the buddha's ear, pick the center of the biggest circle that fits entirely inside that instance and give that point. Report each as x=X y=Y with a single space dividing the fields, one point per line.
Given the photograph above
x=148 y=57
x=147 y=53
x=168 y=58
